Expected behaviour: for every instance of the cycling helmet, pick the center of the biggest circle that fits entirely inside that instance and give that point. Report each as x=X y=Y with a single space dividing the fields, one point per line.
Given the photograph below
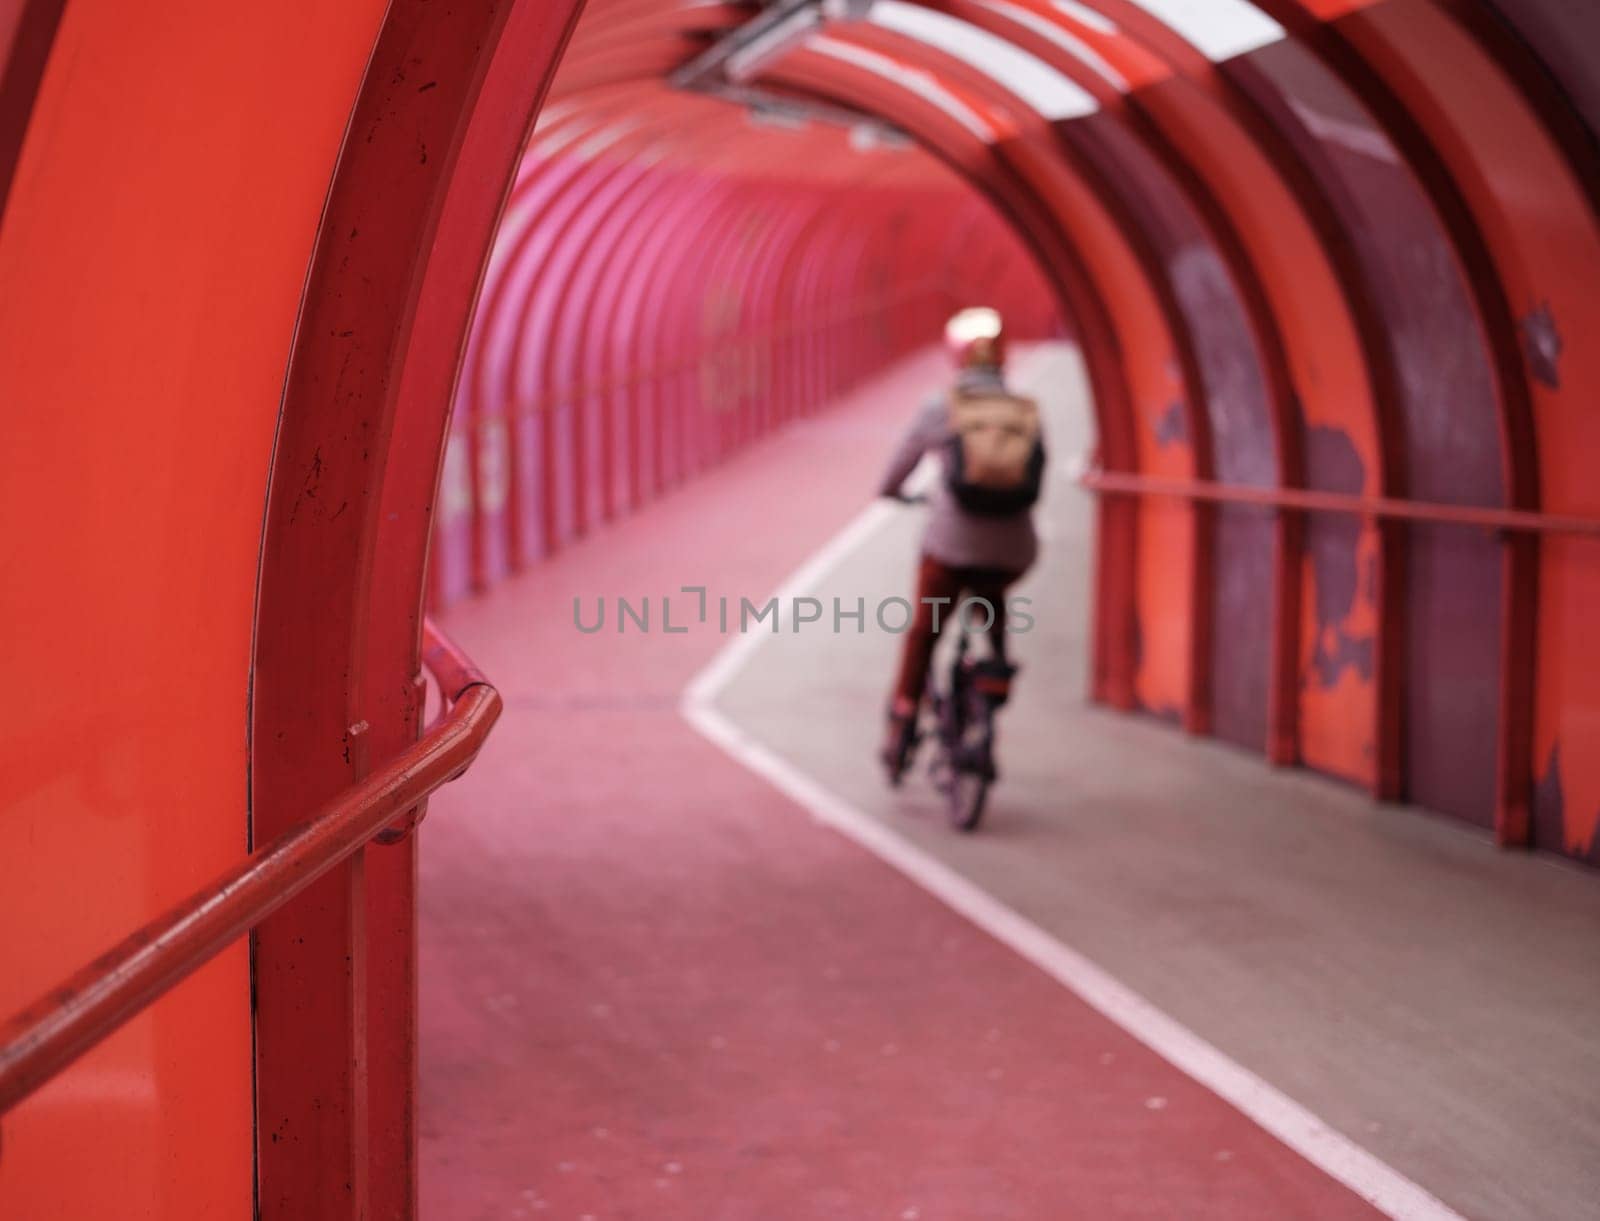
x=976 y=337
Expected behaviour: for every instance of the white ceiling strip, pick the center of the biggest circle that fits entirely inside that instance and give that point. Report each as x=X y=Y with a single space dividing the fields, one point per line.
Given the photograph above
x=1038 y=84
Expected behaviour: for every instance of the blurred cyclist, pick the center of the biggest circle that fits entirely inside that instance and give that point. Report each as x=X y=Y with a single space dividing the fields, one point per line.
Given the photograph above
x=979 y=537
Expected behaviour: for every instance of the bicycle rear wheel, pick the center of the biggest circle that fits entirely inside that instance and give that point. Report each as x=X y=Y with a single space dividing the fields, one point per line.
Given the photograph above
x=966 y=798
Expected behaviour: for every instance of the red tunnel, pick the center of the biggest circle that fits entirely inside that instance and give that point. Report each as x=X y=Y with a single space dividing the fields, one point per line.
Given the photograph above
x=328 y=330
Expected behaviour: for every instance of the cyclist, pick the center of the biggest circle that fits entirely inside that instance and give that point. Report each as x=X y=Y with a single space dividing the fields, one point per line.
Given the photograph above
x=975 y=546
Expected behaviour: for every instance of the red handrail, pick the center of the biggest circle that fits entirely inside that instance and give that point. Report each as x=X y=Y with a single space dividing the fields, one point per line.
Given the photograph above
x=71 y=1018
x=1126 y=483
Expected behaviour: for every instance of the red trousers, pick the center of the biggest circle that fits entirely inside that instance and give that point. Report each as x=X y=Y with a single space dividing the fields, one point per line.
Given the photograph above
x=935 y=581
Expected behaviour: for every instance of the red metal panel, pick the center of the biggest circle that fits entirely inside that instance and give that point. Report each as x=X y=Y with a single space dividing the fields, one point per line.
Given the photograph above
x=536 y=384
x=1405 y=128
x=1326 y=362
x=1349 y=721
x=1545 y=48
x=489 y=412
x=152 y=259
x=1238 y=427
x=641 y=308
x=27 y=31
x=455 y=543
x=1446 y=404
x=402 y=242
x=1532 y=212
x=557 y=337
x=609 y=251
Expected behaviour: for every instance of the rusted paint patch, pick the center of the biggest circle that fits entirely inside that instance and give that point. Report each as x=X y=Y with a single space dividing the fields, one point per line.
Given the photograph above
x=1552 y=829
x=1541 y=344
x=1172 y=425
x=1549 y=803
x=1334 y=460
x=1335 y=651
x=1334 y=551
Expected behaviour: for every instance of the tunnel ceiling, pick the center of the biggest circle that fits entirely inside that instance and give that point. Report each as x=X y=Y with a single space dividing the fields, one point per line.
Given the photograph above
x=1328 y=249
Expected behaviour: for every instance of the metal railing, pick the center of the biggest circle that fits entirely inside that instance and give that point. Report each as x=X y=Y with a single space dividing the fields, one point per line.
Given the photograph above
x=1126 y=483
x=78 y=1013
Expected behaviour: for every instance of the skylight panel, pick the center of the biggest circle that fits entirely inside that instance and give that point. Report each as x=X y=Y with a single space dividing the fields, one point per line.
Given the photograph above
x=1218 y=29
x=920 y=83
x=1038 y=84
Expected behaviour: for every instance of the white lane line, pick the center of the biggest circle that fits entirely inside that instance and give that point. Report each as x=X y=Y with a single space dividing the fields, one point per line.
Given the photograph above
x=1335 y=1154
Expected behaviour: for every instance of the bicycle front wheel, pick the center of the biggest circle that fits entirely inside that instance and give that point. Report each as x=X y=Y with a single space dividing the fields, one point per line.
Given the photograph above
x=966 y=797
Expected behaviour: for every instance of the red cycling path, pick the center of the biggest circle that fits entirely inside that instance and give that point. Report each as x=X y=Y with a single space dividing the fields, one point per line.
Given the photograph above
x=653 y=987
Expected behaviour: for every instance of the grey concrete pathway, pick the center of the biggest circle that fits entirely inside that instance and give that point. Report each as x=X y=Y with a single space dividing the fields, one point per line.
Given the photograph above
x=1430 y=997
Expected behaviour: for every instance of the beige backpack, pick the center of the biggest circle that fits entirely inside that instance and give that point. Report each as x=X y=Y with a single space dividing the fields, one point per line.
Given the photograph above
x=996 y=460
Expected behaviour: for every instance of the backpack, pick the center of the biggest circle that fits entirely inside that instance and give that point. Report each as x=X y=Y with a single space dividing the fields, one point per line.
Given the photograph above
x=994 y=460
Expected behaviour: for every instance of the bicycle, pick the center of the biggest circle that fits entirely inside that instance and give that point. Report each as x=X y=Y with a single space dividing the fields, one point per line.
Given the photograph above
x=962 y=767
